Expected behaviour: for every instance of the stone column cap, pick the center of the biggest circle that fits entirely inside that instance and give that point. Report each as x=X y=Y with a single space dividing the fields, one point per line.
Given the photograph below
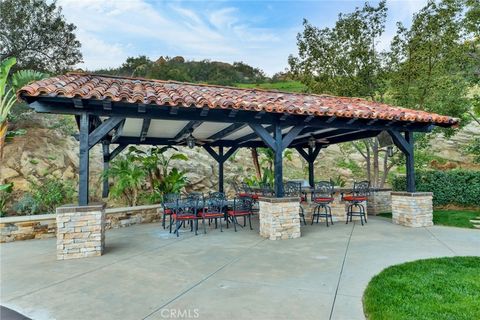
x=279 y=200
x=411 y=194
x=76 y=208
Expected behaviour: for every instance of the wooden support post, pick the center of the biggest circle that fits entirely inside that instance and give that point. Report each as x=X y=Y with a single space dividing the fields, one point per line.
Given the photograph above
x=220 y=169
x=106 y=163
x=311 y=173
x=220 y=158
x=406 y=145
x=278 y=161
x=410 y=163
x=83 y=160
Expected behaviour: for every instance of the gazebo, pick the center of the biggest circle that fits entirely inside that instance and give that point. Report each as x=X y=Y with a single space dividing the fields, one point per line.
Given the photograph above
x=121 y=111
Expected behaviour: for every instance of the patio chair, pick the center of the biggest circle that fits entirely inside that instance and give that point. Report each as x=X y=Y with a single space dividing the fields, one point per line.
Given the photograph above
x=186 y=210
x=294 y=189
x=322 y=196
x=248 y=192
x=169 y=202
x=242 y=207
x=266 y=190
x=214 y=208
x=359 y=194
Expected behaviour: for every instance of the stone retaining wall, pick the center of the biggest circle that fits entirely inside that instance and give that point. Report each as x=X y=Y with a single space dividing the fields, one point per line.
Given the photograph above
x=45 y=226
x=379 y=202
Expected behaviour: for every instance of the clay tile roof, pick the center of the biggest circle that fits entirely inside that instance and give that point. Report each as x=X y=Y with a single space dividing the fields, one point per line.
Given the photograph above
x=171 y=93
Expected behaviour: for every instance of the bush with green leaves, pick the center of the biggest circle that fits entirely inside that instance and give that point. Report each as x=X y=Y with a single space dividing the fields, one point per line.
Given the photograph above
x=51 y=193
x=5 y=193
x=26 y=205
x=459 y=187
x=145 y=176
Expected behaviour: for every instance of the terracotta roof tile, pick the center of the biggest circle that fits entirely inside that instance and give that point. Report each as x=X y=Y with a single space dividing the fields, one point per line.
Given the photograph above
x=171 y=93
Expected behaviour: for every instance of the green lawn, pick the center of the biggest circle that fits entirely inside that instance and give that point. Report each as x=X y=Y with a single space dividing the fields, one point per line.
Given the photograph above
x=452 y=218
x=291 y=86
x=437 y=289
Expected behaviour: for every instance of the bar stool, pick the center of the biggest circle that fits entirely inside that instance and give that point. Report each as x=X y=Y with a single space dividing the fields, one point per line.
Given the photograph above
x=294 y=189
x=322 y=196
x=359 y=194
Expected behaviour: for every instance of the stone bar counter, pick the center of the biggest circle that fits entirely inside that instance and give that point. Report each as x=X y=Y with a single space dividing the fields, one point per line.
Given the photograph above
x=378 y=201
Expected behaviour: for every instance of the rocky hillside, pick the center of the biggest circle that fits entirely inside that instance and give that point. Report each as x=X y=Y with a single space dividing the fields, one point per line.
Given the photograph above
x=47 y=151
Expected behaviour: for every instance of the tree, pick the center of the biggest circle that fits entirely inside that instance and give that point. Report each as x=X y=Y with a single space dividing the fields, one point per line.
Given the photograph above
x=430 y=61
x=344 y=61
x=7 y=92
x=37 y=34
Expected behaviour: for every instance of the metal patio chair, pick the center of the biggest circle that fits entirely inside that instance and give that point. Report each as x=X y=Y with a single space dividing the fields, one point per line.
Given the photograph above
x=169 y=201
x=214 y=209
x=359 y=194
x=294 y=189
x=242 y=207
x=322 y=196
x=186 y=210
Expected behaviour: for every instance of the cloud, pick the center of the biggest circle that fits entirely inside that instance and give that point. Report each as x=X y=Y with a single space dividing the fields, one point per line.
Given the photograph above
x=111 y=30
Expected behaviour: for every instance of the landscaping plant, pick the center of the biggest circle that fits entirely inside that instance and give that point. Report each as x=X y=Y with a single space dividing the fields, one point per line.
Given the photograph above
x=459 y=187
x=5 y=192
x=128 y=179
x=7 y=92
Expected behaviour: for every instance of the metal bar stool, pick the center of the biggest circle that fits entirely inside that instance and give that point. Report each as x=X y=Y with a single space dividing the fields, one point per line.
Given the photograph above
x=359 y=194
x=322 y=196
x=294 y=189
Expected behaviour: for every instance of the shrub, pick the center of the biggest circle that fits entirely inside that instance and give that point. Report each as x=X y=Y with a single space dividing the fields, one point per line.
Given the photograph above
x=5 y=193
x=27 y=205
x=460 y=187
x=50 y=193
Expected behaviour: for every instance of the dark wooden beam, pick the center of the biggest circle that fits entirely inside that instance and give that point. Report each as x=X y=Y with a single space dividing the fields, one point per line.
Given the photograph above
x=204 y=111
x=233 y=113
x=142 y=108
x=118 y=131
x=106 y=164
x=212 y=152
x=117 y=151
x=190 y=126
x=406 y=145
x=308 y=119
x=303 y=153
x=278 y=161
x=227 y=131
x=263 y=134
x=260 y=114
x=77 y=103
x=322 y=135
x=94 y=107
x=83 y=160
x=174 y=110
x=292 y=134
x=101 y=131
x=145 y=127
x=107 y=104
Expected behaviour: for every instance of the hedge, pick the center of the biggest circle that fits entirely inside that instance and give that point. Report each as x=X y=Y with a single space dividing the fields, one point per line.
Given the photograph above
x=460 y=187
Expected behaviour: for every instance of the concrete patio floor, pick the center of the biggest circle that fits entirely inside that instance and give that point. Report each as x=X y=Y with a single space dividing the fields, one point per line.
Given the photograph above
x=148 y=274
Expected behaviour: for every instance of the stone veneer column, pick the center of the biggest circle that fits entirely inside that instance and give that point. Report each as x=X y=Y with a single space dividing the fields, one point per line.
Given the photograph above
x=279 y=218
x=80 y=231
x=412 y=209
x=379 y=202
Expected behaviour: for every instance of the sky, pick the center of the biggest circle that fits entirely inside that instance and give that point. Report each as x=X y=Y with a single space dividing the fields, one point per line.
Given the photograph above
x=260 y=33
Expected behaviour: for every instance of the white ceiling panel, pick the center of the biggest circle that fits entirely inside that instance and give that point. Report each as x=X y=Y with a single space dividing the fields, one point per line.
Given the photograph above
x=240 y=133
x=208 y=129
x=132 y=127
x=165 y=128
